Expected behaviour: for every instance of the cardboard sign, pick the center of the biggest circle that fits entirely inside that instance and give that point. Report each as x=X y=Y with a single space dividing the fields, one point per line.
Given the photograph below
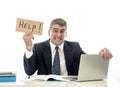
x=24 y=25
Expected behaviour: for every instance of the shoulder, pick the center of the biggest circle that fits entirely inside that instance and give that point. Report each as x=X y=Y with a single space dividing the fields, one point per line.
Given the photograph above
x=42 y=44
x=74 y=46
x=71 y=43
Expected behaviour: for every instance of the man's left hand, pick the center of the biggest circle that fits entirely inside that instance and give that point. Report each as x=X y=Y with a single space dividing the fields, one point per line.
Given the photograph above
x=106 y=53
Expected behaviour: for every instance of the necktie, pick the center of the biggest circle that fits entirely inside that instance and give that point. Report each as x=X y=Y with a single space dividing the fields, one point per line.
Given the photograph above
x=56 y=63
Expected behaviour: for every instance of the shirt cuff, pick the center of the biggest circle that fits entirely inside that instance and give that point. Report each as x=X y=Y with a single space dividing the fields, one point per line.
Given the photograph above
x=28 y=54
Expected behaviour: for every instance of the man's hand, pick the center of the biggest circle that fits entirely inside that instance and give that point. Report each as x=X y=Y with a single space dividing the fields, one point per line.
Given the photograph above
x=106 y=53
x=27 y=37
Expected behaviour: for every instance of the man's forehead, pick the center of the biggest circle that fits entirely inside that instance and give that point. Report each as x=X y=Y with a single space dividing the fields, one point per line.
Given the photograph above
x=56 y=26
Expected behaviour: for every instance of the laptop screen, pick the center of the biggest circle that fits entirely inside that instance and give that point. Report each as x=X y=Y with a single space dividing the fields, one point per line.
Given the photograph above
x=92 y=67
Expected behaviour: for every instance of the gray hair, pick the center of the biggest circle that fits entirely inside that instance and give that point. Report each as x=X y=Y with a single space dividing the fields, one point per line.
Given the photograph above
x=58 y=21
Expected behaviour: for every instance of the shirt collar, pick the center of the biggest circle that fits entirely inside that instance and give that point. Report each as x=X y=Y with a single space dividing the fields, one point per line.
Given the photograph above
x=53 y=46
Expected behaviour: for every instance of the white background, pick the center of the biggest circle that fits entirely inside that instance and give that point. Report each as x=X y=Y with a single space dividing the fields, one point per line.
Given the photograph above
x=94 y=24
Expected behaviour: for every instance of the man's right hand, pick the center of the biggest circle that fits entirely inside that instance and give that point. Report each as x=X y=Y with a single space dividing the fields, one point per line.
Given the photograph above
x=27 y=37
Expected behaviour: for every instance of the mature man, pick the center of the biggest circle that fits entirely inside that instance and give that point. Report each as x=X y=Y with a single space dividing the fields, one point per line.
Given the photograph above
x=40 y=56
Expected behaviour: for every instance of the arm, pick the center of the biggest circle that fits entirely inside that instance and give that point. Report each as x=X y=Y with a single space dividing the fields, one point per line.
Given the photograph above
x=30 y=64
x=29 y=60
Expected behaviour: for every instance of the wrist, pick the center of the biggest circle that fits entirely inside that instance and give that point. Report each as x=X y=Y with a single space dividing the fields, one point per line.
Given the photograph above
x=29 y=49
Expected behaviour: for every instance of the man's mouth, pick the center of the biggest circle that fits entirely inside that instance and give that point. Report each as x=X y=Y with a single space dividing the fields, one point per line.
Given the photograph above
x=58 y=38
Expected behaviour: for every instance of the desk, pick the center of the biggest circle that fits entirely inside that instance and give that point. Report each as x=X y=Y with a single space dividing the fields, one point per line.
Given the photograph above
x=106 y=83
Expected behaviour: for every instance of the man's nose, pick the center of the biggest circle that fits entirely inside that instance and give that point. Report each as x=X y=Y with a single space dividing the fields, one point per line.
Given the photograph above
x=59 y=33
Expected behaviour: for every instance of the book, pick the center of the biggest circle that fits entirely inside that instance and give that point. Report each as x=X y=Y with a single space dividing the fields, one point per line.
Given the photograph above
x=49 y=78
x=7 y=77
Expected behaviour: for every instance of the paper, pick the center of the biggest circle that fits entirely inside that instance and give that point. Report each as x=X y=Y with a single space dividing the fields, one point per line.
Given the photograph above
x=7 y=74
x=24 y=25
x=49 y=78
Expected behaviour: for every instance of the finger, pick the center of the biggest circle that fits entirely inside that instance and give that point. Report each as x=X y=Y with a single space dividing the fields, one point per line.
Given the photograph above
x=106 y=53
x=103 y=52
x=28 y=35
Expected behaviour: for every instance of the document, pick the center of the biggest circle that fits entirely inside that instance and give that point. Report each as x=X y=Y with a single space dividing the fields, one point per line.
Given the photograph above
x=49 y=78
x=7 y=74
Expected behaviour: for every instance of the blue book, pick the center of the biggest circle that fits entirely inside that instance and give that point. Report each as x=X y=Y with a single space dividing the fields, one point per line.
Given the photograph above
x=7 y=77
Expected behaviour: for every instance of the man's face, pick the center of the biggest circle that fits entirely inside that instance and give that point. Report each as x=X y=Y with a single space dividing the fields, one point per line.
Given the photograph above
x=57 y=34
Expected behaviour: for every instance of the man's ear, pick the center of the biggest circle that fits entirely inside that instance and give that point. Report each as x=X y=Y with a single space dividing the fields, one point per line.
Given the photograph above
x=49 y=32
x=66 y=34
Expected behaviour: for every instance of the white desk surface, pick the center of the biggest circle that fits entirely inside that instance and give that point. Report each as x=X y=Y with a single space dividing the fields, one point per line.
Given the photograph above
x=109 y=82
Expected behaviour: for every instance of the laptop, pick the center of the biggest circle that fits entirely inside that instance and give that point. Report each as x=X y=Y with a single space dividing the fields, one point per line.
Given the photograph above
x=93 y=67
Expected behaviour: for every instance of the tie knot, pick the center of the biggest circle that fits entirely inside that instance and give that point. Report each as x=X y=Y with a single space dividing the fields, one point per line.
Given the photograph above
x=56 y=47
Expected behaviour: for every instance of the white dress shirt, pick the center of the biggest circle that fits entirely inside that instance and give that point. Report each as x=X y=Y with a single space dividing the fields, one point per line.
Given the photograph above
x=61 y=54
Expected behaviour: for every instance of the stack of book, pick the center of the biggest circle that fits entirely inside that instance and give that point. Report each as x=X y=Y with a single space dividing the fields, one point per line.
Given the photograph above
x=7 y=77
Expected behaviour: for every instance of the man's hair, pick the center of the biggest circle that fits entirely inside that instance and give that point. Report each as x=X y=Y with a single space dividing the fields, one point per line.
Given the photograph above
x=58 y=21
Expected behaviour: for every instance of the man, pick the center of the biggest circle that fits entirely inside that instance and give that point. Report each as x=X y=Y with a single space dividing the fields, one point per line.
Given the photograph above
x=40 y=56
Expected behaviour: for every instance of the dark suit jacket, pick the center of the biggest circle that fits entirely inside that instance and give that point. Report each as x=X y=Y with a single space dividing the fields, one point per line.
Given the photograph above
x=41 y=58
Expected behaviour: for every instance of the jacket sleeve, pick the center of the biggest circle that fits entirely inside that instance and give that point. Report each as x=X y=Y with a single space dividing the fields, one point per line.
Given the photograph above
x=30 y=64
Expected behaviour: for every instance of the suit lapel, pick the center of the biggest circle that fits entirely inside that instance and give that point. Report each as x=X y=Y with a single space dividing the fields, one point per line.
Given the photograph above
x=47 y=56
x=68 y=56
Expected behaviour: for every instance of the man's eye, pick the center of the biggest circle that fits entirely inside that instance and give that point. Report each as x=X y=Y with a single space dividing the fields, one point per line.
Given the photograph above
x=55 y=30
x=62 y=31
